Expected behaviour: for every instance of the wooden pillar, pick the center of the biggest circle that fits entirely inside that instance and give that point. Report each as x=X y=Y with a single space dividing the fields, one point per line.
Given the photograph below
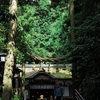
x=57 y=68
x=48 y=68
x=64 y=66
x=33 y=67
x=40 y=68
x=23 y=79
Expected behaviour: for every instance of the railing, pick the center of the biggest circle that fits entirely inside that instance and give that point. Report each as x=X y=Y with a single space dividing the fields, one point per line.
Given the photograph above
x=78 y=95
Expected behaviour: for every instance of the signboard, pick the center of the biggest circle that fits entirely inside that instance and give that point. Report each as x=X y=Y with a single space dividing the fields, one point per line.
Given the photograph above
x=42 y=87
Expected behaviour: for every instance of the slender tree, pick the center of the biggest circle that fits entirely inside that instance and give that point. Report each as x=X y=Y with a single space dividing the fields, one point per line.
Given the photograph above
x=9 y=64
x=71 y=2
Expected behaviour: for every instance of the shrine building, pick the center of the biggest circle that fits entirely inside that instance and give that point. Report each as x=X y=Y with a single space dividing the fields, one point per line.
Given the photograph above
x=40 y=81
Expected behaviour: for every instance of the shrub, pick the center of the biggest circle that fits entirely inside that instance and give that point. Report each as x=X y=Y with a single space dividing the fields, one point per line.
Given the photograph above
x=16 y=97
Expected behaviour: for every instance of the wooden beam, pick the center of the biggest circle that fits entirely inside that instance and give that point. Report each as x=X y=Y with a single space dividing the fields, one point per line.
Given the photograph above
x=47 y=59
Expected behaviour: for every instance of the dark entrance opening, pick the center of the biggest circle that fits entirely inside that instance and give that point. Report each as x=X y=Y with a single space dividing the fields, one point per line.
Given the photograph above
x=47 y=93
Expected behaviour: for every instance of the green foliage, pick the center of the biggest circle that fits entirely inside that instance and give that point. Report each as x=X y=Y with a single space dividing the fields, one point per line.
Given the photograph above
x=3 y=36
x=16 y=97
x=86 y=49
x=3 y=27
x=44 y=31
x=5 y=17
x=91 y=55
x=44 y=4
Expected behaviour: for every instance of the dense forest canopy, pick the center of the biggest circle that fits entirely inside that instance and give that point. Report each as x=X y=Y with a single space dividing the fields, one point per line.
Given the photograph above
x=86 y=49
x=44 y=30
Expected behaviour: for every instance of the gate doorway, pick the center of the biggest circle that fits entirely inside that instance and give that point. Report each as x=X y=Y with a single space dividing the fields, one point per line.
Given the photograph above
x=47 y=94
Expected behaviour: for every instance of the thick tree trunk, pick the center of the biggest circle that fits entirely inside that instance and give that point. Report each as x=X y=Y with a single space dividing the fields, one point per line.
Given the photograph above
x=9 y=64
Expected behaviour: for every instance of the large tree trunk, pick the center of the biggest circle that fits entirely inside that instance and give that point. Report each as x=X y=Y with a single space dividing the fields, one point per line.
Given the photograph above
x=9 y=64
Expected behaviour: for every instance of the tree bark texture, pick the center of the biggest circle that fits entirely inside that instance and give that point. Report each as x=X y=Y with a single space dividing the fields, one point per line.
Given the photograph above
x=72 y=39
x=9 y=63
x=72 y=19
